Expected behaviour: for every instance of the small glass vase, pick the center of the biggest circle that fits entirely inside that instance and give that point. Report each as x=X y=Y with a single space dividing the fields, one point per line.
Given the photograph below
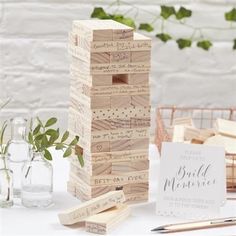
x=19 y=151
x=6 y=182
x=37 y=182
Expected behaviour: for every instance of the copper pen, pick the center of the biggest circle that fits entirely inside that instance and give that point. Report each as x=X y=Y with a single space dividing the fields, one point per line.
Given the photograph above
x=195 y=225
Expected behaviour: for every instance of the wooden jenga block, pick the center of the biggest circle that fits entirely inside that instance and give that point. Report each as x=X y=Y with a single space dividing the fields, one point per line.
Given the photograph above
x=100 y=147
x=136 y=197
x=101 y=125
x=226 y=127
x=140 y=100
x=120 y=123
x=101 y=80
x=139 y=143
x=200 y=135
x=119 y=57
x=99 y=102
x=140 y=122
x=76 y=214
x=120 y=145
x=141 y=56
x=120 y=101
x=102 y=57
x=123 y=167
x=183 y=121
x=103 y=222
x=138 y=78
x=178 y=133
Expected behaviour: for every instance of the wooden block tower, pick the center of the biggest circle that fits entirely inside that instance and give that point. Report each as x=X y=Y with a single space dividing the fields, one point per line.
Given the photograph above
x=109 y=109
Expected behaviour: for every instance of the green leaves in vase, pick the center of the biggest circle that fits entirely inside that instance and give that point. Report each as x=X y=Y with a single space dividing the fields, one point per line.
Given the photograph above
x=43 y=136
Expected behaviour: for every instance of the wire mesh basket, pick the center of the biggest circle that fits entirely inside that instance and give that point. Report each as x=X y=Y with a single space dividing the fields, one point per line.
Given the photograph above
x=203 y=118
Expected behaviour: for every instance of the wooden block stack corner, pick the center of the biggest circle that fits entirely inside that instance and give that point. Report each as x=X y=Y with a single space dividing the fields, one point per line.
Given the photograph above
x=109 y=109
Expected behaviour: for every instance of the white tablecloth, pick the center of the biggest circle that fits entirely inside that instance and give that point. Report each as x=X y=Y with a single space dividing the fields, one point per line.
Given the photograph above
x=22 y=221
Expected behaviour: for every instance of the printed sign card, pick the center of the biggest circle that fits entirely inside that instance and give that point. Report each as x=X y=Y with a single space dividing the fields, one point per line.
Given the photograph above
x=192 y=180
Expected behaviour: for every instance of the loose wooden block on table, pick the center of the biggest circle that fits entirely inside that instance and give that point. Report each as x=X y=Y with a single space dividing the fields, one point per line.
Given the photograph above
x=226 y=127
x=103 y=222
x=94 y=206
x=178 y=133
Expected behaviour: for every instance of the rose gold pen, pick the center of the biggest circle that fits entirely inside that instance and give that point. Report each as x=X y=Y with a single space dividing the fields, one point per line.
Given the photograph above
x=195 y=225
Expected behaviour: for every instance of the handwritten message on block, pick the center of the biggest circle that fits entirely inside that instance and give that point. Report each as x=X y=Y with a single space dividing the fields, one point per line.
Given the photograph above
x=192 y=180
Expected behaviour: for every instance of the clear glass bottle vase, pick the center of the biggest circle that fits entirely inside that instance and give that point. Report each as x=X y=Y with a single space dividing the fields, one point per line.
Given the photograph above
x=6 y=182
x=19 y=151
x=37 y=182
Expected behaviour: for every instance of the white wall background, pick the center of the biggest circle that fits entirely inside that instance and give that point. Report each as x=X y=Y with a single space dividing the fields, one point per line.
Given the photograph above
x=34 y=61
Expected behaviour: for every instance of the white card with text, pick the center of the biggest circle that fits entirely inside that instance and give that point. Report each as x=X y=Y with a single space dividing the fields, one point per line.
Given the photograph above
x=192 y=180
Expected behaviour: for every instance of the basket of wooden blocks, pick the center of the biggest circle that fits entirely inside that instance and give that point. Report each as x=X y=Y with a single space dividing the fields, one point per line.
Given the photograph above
x=109 y=109
x=207 y=126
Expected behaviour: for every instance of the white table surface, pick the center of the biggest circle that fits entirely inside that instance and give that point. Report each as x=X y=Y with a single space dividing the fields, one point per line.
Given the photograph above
x=22 y=221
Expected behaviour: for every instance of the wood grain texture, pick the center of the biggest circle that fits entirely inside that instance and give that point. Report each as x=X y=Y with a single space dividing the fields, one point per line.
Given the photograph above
x=102 y=57
x=99 y=102
x=120 y=145
x=120 y=101
x=141 y=56
x=103 y=222
x=134 y=198
x=140 y=122
x=141 y=78
x=120 y=123
x=78 y=213
x=141 y=143
x=100 y=146
x=101 y=80
x=140 y=100
x=123 y=34
x=226 y=127
x=124 y=167
x=98 y=125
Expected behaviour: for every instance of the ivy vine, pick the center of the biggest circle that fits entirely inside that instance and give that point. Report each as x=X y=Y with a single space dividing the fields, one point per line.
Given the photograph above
x=167 y=14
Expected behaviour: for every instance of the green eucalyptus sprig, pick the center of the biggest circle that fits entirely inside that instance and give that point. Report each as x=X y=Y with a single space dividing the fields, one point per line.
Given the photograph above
x=3 y=146
x=43 y=136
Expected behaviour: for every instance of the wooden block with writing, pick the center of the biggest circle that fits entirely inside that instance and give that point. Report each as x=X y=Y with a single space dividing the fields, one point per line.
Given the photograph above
x=103 y=222
x=140 y=100
x=141 y=56
x=120 y=124
x=136 y=197
x=226 y=127
x=123 y=167
x=140 y=122
x=100 y=146
x=140 y=143
x=119 y=57
x=102 y=57
x=120 y=101
x=76 y=214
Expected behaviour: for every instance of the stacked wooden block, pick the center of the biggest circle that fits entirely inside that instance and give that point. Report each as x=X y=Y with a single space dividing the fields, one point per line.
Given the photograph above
x=109 y=109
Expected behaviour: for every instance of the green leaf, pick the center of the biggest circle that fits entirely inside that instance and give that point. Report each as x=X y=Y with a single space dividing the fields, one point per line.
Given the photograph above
x=81 y=160
x=39 y=137
x=36 y=130
x=74 y=141
x=47 y=155
x=184 y=43
x=124 y=20
x=51 y=122
x=182 y=13
x=166 y=11
x=2 y=131
x=234 y=47
x=30 y=138
x=67 y=152
x=98 y=12
x=145 y=26
x=39 y=121
x=163 y=37
x=65 y=136
x=60 y=146
x=231 y=15
x=205 y=44
x=44 y=142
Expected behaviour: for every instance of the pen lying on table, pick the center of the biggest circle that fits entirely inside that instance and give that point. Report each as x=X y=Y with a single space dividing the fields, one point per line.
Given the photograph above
x=204 y=224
